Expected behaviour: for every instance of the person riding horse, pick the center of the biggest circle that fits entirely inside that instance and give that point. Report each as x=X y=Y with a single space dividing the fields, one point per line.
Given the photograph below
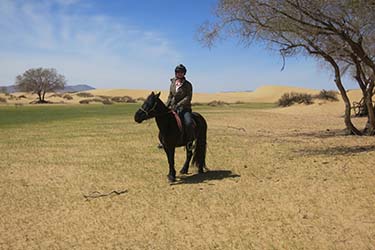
x=179 y=100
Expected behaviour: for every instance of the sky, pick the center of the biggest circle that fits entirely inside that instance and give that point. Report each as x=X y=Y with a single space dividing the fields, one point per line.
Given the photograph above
x=136 y=44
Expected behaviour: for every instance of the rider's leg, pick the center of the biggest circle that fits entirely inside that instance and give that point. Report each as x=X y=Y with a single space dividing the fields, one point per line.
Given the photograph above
x=189 y=130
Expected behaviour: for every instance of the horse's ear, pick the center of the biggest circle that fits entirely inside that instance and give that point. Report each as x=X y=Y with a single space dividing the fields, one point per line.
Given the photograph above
x=152 y=93
x=157 y=95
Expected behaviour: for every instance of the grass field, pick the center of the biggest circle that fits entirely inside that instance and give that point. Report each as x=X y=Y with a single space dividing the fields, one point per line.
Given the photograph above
x=276 y=181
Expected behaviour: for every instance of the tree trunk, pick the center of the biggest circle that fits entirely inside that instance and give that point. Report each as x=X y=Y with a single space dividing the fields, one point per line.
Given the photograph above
x=40 y=97
x=348 y=122
x=44 y=93
x=370 y=126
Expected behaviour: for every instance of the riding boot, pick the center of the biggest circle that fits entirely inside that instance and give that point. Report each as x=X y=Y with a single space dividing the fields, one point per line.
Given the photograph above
x=189 y=138
x=189 y=130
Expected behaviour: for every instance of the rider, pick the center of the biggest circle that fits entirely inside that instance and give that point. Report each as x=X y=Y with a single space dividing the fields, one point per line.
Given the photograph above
x=179 y=99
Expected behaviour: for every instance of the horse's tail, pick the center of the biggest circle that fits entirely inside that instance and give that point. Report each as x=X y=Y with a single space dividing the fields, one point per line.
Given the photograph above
x=199 y=157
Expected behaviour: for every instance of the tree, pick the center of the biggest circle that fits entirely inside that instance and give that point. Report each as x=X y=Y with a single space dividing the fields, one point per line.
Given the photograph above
x=341 y=32
x=40 y=81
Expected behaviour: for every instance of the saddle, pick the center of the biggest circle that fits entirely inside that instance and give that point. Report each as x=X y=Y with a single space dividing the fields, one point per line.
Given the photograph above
x=180 y=124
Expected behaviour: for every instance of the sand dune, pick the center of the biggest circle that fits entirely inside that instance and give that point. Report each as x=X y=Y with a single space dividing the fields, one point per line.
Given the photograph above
x=265 y=94
x=269 y=93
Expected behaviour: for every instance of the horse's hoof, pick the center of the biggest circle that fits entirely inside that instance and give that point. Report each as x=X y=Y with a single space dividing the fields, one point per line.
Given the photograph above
x=183 y=171
x=171 y=178
x=200 y=171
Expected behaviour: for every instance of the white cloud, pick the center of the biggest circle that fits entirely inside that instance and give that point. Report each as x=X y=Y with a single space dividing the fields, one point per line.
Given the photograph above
x=95 y=49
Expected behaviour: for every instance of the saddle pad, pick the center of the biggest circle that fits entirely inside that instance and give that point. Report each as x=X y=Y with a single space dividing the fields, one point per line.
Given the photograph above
x=178 y=120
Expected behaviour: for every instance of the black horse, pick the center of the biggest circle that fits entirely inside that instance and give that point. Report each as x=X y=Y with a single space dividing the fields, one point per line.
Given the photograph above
x=171 y=136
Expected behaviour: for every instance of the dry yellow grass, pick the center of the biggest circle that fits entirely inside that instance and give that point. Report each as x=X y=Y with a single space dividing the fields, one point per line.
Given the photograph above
x=279 y=179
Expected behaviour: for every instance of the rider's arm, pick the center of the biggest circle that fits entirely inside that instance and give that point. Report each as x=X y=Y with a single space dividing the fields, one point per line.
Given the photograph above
x=187 y=99
x=170 y=96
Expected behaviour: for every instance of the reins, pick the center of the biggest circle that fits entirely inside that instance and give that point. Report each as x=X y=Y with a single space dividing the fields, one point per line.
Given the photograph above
x=152 y=109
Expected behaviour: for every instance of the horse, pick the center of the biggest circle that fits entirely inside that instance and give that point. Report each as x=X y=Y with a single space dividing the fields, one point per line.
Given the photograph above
x=171 y=135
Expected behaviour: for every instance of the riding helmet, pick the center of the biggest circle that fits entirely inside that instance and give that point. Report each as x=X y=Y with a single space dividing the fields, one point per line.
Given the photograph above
x=180 y=67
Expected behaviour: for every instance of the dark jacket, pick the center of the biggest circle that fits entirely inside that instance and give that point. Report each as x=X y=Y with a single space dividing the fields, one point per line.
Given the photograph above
x=180 y=99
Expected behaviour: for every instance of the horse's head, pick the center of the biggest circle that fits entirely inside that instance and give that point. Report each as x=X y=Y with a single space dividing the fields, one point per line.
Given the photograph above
x=148 y=108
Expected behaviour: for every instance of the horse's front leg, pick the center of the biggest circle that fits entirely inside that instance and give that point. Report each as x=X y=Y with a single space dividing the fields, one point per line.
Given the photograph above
x=189 y=154
x=172 y=172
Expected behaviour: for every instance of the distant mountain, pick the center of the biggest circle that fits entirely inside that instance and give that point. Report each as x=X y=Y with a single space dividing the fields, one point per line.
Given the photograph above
x=77 y=88
x=68 y=88
x=8 y=89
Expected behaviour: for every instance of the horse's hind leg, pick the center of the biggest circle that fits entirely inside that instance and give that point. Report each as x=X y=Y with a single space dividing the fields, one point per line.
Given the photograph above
x=172 y=172
x=189 y=155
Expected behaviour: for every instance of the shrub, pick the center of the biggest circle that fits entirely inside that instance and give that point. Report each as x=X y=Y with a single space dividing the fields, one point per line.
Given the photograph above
x=3 y=100
x=328 y=95
x=86 y=101
x=126 y=99
x=107 y=102
x=289 y=99
x=217 y=103
x=141 y=99
x=12 y=97
x=85 y=94
x=68 y=97
x=22 y=96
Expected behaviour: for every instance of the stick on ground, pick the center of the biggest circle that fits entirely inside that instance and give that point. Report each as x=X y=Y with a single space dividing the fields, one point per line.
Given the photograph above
x=97 y=194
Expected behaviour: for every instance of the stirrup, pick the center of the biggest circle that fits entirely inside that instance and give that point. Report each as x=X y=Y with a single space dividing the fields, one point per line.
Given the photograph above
x=190 y=146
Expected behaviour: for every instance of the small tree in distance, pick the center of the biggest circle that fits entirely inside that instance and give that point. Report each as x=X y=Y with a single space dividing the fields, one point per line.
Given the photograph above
x=40 y=81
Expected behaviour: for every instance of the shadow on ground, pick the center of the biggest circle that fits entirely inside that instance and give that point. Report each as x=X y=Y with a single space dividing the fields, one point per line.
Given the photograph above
x=340 y=150
x=322 y=134
x=207 y=176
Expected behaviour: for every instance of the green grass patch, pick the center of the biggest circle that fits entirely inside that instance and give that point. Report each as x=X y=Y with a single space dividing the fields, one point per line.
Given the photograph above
x=11 y=116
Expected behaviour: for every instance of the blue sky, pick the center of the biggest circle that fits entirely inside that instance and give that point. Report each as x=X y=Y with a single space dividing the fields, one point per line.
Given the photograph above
x=137 y=44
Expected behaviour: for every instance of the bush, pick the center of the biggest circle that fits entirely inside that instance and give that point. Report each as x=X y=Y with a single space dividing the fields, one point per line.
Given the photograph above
x=289 y=99
x=12 y=97
x=126 y=99
x=217 y=103
x=22 y=97
x=86 y=101
x=140 y=99
x=328 y=95
x=107 y=102
x=85 y=94
x=3 y=100
x=68 y=97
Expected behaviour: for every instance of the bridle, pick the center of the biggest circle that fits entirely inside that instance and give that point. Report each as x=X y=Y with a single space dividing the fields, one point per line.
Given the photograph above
x=152 y=109
x=148 y=112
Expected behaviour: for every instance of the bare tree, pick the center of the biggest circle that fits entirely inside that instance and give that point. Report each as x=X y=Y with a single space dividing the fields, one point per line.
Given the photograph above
x=341 y=32
x=40 y=81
